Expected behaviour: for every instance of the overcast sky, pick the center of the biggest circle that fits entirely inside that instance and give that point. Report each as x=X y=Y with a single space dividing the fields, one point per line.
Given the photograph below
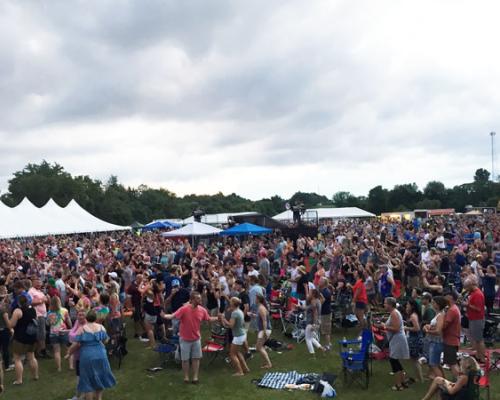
x=255 y=97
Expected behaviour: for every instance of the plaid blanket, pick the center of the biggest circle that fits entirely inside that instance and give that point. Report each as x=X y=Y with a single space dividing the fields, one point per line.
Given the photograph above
x=278 y=380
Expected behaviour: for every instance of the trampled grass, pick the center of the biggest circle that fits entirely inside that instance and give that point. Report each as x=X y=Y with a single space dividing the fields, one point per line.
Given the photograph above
x=216 y=382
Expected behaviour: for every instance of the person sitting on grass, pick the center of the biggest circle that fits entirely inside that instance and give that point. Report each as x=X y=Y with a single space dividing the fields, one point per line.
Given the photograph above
x=458 y=390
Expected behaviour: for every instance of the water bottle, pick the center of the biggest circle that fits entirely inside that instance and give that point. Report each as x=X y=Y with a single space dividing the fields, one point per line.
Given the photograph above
x=344 y=340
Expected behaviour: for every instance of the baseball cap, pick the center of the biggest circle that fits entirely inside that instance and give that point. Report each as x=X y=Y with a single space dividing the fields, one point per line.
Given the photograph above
x=113 y=275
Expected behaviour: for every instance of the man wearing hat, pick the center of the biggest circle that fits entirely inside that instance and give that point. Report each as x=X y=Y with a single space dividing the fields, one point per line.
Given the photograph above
x=451 y=332
x=178 y=297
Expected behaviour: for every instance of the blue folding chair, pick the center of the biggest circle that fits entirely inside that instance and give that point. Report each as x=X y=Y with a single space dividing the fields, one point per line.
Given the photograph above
x=356 y=366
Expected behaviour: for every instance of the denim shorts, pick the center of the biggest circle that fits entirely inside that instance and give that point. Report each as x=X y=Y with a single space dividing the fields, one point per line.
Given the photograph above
x=62 y=339
x=435 y=351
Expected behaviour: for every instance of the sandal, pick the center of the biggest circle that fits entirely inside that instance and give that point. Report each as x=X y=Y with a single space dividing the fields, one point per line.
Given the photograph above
x=16 y=383
x=397 y=388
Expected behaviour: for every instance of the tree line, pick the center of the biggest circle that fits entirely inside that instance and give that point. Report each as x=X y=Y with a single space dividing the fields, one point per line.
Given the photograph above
x=113 y=202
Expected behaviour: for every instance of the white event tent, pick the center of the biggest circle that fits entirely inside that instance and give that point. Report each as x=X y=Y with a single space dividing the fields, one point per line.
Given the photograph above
x=193 y=229
x=217 y=219
x=26 y=220
x=326 y=213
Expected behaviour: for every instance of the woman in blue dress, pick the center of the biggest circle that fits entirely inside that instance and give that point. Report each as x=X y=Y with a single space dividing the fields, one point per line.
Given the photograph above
x=95 y=371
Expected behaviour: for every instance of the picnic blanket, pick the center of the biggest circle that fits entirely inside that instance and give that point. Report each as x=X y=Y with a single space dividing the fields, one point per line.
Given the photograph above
x=278 y=380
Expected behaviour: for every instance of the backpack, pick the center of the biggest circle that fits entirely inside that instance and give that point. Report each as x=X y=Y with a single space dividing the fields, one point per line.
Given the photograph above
x=32 y=328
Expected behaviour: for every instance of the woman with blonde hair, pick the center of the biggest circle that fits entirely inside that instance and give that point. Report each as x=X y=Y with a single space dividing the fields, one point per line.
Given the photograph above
x=458 y=390
x=60 y=325
x=236 y=324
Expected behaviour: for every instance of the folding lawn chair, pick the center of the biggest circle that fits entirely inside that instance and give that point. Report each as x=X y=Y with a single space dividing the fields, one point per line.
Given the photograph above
x=356 y=362
x=216 y=345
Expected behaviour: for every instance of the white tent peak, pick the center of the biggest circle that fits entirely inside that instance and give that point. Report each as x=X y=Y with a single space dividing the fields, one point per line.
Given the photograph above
x=26 y=220
x=193 y=229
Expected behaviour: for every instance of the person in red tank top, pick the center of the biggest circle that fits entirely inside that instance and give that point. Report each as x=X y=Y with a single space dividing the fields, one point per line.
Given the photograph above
x=359 y=298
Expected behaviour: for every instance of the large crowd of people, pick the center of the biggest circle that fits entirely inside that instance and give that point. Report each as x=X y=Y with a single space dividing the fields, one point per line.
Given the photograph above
x=64 y=297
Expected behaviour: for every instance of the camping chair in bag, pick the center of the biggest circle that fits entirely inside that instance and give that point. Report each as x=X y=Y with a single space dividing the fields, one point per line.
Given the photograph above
x=356 y=363
x=216 y=345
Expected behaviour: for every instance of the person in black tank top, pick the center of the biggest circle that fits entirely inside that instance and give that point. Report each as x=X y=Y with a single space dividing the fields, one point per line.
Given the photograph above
x=23 y=343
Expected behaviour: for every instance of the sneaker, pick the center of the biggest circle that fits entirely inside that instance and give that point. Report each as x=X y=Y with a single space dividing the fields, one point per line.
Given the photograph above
x=422 y=360
x=144 y=340
x=10 y=368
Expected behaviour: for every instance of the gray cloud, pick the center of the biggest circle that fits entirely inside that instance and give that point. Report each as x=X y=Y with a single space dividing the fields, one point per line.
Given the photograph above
x=341 y=91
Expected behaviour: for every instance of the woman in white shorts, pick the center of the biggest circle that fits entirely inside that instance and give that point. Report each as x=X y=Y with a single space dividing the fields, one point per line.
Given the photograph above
x=264 y=333
x=236 y=324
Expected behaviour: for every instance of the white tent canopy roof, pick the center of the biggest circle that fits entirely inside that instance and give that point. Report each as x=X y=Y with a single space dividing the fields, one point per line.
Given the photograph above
x=27 y=220
x=217 y=219
x=327 y=213
x=193 y=229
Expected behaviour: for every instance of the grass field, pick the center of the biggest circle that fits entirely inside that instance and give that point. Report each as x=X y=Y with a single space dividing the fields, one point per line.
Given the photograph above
x=216 y=382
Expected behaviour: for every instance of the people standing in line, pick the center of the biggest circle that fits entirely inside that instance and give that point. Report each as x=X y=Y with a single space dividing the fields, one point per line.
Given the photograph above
x=190 y=317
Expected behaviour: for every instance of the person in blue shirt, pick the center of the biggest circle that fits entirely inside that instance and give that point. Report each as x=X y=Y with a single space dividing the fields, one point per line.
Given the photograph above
x=19 y=290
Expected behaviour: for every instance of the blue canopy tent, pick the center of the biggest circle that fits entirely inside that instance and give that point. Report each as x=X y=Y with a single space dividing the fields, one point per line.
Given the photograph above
x=164 y=224
x=246 y=229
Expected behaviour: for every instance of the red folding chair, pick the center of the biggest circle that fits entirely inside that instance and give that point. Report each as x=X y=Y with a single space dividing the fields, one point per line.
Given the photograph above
x=484 y=380
x=276 y=309
x=216 y=345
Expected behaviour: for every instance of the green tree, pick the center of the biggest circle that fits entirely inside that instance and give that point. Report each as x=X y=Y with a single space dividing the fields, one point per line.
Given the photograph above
x=435 y=190
x=345 y=199
x=406 y=195
x=310 y=200
x=377 y=200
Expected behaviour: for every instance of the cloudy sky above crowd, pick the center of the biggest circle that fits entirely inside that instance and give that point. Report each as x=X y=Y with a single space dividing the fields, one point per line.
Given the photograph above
x=255 y=97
